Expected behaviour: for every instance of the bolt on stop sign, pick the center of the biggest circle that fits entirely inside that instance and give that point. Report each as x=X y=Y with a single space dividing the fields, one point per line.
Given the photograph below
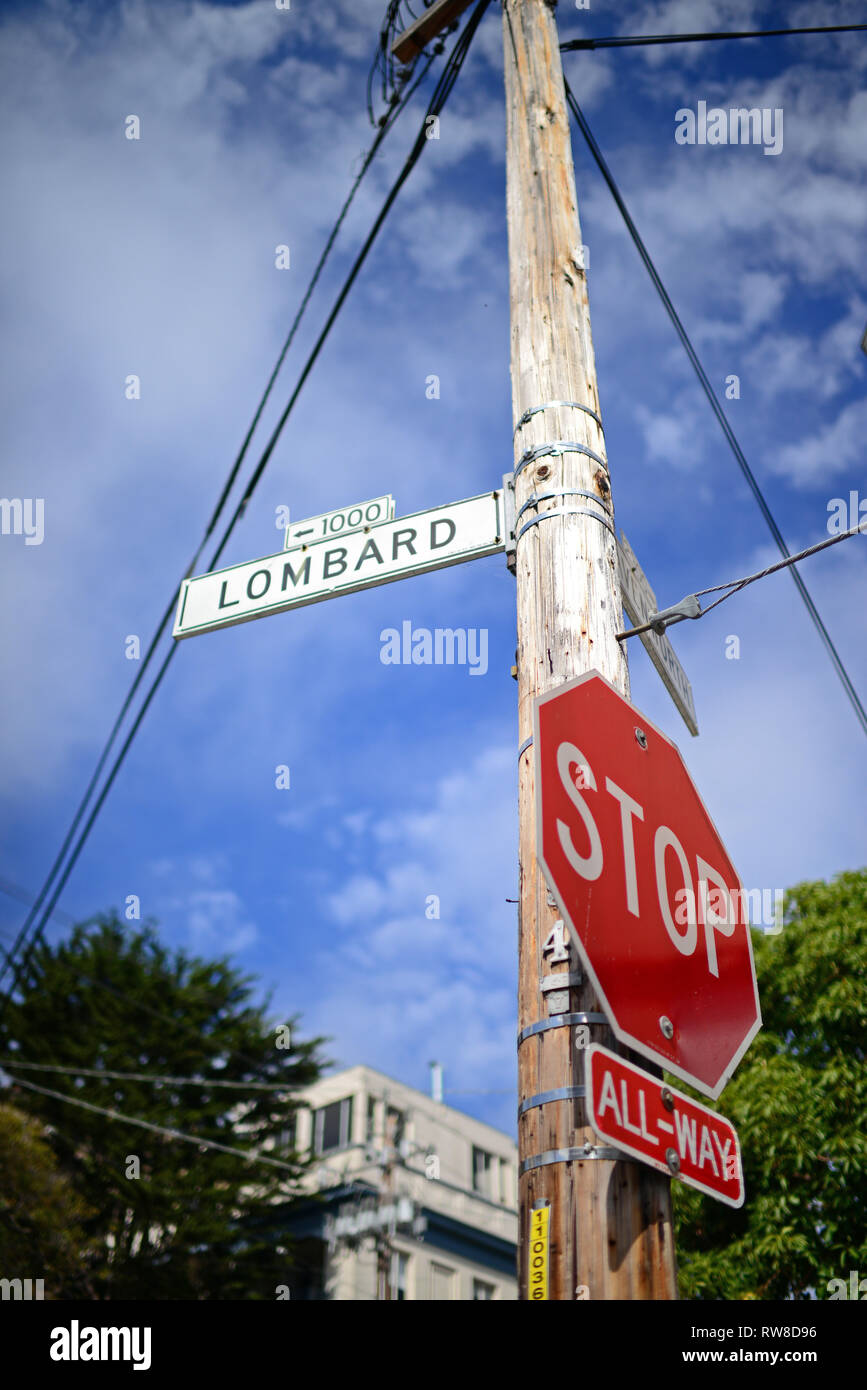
x=644 y=883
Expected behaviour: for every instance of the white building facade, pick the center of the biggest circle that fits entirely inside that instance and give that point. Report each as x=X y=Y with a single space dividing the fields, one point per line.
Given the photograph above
x=417 y=1201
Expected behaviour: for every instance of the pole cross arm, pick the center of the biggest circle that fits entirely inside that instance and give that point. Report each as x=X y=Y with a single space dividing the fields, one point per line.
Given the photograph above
x=437 y=17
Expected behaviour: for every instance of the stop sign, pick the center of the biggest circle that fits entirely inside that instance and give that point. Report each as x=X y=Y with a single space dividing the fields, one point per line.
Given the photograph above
x=643 y=880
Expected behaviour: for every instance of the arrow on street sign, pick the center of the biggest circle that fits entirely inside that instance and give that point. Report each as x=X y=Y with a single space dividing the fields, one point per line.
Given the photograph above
x=650 y=1121
x=639 y=600
x=338 y=522
x=377 y=554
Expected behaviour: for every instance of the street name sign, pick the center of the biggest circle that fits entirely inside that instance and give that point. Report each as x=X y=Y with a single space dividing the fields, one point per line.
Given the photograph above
x=377 y=554
x=336 y=523
x=644 y=883
x=363 y=1217
x=660 y=1126
x=639 y=600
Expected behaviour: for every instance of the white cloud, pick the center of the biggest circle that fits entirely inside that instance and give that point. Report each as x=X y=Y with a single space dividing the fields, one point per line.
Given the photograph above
x=784 y=362
x=217 y=922
x=442 y=982
x=829 y=451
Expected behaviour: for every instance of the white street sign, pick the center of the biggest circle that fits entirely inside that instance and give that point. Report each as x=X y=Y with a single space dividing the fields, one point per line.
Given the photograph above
x=358 y=1220
x=337 y=523
x=639 y=601
x=378 y=554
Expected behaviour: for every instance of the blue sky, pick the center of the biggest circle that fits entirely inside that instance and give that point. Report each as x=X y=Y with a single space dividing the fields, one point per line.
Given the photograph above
x=156 y=257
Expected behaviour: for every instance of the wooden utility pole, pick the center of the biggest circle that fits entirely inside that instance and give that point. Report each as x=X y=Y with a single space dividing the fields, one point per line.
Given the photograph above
x=610 y=1221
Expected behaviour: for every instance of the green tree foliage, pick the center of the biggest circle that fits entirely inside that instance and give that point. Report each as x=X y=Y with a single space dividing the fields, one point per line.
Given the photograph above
x=41 y=1234
x=197 y=1223
x=799 y=1104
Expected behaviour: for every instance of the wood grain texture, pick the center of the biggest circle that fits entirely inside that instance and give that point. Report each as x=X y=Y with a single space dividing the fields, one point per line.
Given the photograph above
x=610 y=1222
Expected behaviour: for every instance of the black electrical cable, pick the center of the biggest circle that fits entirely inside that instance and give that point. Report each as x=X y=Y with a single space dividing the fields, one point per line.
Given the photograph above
x=633 y=40
x=388 y=122
x=734 y=586
x=715 y=405
x=441 y=93
x=178 y=1025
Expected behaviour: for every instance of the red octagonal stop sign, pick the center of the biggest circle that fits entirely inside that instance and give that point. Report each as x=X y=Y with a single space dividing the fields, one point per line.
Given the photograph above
x=643 y=880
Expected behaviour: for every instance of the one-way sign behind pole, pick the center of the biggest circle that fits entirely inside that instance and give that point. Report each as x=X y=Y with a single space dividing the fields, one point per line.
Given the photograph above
x=662 y=1127
x=343 y=564
x=639 y=600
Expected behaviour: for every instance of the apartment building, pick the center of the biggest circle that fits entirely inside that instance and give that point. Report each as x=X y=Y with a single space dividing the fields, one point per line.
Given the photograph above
x=414 y=1199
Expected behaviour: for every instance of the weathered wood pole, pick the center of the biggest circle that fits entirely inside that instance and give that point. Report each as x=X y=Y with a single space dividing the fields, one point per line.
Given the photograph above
x=610 y=1221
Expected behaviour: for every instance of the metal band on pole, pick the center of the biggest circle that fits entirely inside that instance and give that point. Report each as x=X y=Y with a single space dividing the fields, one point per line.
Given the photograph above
x=561 y=1021
x=574 y=1156
x=547 y=1097
x=557 y=447
x=564 y=492
x=566 y=511
x=556 y=405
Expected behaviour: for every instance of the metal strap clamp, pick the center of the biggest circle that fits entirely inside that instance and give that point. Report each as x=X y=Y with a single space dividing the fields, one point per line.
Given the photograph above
x=563 y=492
x=566 y=511
x=556 y=405
x=557 y=447
x=589 y=1151
x=561 y=1021
x=546 y=1097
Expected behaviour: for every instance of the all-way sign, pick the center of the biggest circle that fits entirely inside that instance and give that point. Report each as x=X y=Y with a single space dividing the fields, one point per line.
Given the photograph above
x=650 y=1121
x=376 y=554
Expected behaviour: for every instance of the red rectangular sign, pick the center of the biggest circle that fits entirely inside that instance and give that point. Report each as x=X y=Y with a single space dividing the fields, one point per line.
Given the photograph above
x=648 y=1120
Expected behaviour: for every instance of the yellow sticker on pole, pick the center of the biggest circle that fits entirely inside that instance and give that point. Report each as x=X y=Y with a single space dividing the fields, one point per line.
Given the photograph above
x=540 y=1218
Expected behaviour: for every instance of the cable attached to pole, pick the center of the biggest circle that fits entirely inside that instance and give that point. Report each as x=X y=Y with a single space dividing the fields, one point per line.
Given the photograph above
x=634 y=40
x=441 y=93
x=717 y=409
x=690 y=607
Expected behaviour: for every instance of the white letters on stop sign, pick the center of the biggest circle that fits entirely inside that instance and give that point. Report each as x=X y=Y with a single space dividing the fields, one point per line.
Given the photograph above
x=682 y=926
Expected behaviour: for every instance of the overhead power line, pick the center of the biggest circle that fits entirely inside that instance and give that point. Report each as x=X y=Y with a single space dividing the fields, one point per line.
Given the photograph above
x=633 y=40
x=440 y=96
x=176 y=1024
x=179 y=1134
x=156 y=1129
x=215 y=516
x=11 y=1063
x=716 y=407
x=660 y=621
x=15 y=890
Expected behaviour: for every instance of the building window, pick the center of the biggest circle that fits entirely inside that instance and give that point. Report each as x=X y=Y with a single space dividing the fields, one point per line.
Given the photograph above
x=505 y=1193
x=288 y=1137
x=485 y=1174
x=442 y=1283
x=370 y=1130
x=399 y=1272
x=481 y=1290
x=332 y=1126
x=395 y=1126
